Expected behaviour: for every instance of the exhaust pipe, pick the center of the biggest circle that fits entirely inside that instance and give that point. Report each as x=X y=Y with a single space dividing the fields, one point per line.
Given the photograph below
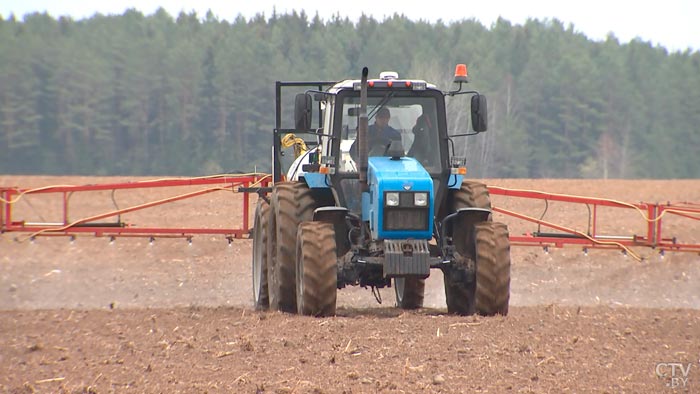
x=363 y=149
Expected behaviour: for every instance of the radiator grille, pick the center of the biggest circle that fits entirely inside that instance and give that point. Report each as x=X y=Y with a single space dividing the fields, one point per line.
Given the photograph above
x=405 y=219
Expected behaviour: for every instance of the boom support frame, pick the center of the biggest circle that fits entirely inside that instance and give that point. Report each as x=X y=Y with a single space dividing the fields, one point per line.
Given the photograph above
x=90 y=225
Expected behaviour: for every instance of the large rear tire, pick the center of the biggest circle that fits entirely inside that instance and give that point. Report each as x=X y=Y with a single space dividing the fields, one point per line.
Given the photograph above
x=261 y=297
x=410 y=292
x=291 y=203
x=317 y=272
x=492 y=269
x=471 y=195
x=461 y=282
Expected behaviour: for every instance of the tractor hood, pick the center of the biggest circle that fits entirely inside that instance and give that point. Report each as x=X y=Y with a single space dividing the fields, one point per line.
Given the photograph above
x=401 y=200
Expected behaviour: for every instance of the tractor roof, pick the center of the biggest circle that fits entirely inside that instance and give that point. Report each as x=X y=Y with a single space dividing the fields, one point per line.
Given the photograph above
x=387 y=79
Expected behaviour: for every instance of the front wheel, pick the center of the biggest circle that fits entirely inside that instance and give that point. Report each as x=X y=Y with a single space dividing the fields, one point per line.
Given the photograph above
x=492 y=268
x=410 y=292
x=316 y=269
x=460 y=286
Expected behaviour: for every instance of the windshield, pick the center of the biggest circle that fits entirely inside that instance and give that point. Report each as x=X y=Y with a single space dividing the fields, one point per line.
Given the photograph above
x=407 y=122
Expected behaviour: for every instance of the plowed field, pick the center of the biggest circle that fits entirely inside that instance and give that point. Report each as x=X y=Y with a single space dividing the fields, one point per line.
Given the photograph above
x=93 y=317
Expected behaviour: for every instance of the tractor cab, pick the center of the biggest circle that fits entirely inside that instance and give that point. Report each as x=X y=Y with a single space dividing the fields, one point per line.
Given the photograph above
x=403 y=116
x=406 y=155
x=406 y=120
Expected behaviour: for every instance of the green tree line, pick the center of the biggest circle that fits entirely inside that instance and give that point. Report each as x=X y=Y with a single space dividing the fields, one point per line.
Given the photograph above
x=155 y=94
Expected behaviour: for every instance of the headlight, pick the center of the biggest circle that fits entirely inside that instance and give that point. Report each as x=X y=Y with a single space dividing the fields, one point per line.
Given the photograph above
x=420 y=199
x=392 y=199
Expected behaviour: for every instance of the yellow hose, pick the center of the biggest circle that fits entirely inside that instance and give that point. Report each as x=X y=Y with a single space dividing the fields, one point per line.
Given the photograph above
x=299 y=145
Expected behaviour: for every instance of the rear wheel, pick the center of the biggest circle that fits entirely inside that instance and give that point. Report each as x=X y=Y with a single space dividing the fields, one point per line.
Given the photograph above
x=260 y=293
x=291 y=203
x=471 y=195
x=461 y=281
x=316 y=269
x=410 y=292
x=492 y=269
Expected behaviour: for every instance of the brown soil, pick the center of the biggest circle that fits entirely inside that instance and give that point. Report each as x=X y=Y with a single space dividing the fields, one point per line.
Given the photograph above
x=92 y=317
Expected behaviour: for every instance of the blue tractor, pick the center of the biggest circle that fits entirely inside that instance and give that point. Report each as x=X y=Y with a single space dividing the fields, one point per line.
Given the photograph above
x=375 y=197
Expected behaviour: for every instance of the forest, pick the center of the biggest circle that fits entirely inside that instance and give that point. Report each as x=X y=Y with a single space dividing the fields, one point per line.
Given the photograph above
x=136 y=94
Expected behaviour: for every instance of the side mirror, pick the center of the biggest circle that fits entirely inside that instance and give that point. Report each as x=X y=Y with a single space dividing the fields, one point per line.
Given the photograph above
x=479 y=113
x=302 y=111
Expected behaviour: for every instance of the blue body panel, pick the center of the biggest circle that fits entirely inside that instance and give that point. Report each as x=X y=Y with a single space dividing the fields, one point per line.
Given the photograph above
x=366 y=206
x=455 y=181
x=403 y=175
x=317 y=180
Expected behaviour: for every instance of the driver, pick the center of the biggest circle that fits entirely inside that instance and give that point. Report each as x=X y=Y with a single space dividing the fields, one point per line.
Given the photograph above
x=379 y=133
